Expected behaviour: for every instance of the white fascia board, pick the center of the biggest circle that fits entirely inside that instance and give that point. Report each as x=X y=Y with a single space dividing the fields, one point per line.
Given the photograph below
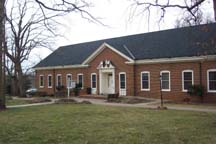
x=61 y=67
x=101 y=48
x=175 y=60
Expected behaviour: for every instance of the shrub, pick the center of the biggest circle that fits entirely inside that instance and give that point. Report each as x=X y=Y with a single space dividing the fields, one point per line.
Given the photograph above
x=196 y=90
x=85 y=102
x=39 y=100
x=66 y=101
x=111 y=96
x=41 y=93
x=60 y=93
x=88 y=90
x=77 y=89
x=59 y=87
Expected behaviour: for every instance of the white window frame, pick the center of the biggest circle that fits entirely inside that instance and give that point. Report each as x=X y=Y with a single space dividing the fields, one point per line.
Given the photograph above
x=166 y=90
x=80 y=74
x=49 y=75
x=57 y=79
x=95 y=80
x=210 y=70
x=41 y=86
x=67 y=79
x=143 y=89
x=120 y=80
x=185 y=90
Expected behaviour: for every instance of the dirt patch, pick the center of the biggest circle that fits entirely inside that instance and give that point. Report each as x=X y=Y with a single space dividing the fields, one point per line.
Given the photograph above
x=71 y=101
x=128 y=100
x=38 y=100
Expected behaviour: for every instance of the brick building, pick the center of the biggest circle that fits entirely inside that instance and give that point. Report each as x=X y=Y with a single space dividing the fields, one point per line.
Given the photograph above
x=137 y=65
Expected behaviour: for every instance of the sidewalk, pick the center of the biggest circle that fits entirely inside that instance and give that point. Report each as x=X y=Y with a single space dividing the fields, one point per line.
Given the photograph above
x=151 y=105
x=34 y=104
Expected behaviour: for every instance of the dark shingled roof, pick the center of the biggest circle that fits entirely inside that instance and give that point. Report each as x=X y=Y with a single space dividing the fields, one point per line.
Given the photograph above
x=180 y=42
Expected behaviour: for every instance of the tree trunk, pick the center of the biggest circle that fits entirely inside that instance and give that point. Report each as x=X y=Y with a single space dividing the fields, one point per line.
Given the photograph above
x=214 y=6
x=2 y=35
x=20 y=80
x=14 y=86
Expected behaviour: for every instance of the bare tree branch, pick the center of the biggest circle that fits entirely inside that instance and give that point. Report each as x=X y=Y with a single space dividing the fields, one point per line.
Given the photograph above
x=27 y=29
x=190 y=7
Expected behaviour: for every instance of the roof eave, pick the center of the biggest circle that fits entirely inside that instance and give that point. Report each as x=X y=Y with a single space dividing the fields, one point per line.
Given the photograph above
x=174 y=60
x=60 y=67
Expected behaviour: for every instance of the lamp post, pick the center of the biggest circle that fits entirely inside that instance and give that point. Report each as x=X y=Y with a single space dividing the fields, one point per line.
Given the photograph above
x=161 y=94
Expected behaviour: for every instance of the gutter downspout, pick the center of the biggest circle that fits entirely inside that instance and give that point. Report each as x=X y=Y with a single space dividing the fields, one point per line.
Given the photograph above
x=134 y=79
x=54 y=82
x=134 y=74
x=200 y=78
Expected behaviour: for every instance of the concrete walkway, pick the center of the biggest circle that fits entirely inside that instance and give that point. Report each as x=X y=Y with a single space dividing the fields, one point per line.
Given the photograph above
x=151 y=105
x=34 y=104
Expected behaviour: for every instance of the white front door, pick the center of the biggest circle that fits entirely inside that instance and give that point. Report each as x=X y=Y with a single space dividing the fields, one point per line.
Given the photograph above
x=110 y=84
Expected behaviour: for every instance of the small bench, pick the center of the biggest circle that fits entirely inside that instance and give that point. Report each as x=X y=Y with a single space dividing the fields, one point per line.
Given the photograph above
x=113 y=96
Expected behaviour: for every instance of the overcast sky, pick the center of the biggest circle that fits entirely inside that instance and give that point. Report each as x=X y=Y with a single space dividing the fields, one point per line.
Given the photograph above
x=114 y=14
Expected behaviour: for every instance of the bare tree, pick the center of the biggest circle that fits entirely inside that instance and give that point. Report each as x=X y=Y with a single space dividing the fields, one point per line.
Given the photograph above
x=191 y=8
x=26 y=30
x=2 y=42
x=188 y=21
x=30 y=27
x=57 y=7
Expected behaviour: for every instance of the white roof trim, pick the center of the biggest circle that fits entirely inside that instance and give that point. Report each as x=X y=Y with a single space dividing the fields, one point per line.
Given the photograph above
x=146 y=61
x=61 y=67
x=174 y=60
x=100 y=49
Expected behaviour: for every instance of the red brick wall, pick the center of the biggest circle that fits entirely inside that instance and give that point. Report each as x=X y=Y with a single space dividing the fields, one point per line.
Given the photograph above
x=175 y=69
x=106 y=54
x=133 y=80
x=63 y=72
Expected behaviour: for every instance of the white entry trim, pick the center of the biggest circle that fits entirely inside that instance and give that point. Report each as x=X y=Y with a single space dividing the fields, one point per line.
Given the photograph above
x=101 y=71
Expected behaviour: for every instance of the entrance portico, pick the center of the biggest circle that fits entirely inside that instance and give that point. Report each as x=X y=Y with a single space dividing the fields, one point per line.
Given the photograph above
x=106 y=77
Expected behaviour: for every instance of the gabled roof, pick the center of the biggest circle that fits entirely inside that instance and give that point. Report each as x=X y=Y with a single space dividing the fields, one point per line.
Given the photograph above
x=180 y=42
x=101 y=48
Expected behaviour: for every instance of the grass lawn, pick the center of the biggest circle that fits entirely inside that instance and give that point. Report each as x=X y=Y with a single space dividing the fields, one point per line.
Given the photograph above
x=189 y=105
x=10 y=102
x=94 y=124
x=21 y=101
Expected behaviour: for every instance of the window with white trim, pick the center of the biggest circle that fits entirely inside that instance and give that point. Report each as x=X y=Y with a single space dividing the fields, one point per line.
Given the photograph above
x=41 y=81
x=69 y=80
x=165 y=80
x=49 y=81
x=80 y=80
x=145 y=81
x=93 y=80
x=187 y=79
x=59 y=80
x=211 y=79
x=122 y=80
